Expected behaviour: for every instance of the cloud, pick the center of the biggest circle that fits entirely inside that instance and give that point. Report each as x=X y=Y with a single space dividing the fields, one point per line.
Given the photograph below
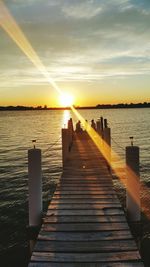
x=82 y=10
x=79 y=41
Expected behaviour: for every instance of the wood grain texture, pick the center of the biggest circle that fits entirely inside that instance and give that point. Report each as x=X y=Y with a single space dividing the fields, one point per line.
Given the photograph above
x=85 y=257
x=86 y=236
x=100 y=211
x=86 y=264
x=83 y=246
x=86 y=219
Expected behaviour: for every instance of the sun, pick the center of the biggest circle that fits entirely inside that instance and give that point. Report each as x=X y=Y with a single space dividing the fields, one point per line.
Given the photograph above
x=66 y=100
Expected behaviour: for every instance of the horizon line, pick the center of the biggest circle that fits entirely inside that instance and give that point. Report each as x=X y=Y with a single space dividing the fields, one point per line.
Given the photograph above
x=98 y=106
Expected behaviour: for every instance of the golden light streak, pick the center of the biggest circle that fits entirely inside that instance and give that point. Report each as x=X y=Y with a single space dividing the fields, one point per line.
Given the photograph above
x=9 y=24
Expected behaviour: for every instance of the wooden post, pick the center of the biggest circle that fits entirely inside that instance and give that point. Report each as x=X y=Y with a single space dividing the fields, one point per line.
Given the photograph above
x=65 y=144
x=133 y=183
x=35 y=194
x=35 y=187
x=107 y=143
x=71 y=124
x=105 y=123
x=102 y=125
x=98 y=127
x=70 y=132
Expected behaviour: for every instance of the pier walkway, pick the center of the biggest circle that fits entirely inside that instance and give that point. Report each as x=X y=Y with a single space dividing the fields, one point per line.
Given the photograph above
x=85 y=223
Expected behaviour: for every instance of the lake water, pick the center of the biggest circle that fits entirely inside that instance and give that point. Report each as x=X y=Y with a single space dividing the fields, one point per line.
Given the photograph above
x=18 y=128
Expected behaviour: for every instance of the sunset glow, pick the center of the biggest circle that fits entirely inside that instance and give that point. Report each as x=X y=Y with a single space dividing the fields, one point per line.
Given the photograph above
x=75 y=45
x=66 y=100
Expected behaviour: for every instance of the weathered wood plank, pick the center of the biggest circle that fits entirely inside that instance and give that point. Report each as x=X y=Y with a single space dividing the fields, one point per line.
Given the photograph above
x=85 y=257
x=86 y=264
x=100 y=201
x=86 y=236
x=93 y=218
x=85 y=227
x=86 y=196
x=80 y=177
x=84 y=187
x=105 y=212
x=84 y=183
x=83 y=206
x=83 y=246
x=100 y=191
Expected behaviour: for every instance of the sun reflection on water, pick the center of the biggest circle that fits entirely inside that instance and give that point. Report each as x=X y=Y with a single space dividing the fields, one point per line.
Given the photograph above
x=65 y=118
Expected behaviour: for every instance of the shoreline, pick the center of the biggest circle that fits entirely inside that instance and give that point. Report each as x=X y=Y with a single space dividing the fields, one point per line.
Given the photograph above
x=103 y=106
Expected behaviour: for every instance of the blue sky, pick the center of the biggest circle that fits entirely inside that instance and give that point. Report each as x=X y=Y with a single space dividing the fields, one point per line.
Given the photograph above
x=97 y=50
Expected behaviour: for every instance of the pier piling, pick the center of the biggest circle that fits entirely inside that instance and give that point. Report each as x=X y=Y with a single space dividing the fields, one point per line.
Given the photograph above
x=35 y=186
x=35 y=194
x=133 y=183
x=65 y=144
x=107 y=143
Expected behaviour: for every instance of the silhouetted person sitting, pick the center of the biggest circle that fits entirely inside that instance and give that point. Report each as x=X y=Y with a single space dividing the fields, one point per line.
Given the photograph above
x=93 y=125
x=78 y=127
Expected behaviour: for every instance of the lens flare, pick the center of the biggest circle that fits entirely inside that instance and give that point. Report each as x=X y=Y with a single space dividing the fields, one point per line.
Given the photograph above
x=9 y=24
x=66 y=100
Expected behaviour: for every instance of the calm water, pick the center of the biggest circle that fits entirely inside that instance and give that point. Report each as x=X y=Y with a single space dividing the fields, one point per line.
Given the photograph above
x=18 y=128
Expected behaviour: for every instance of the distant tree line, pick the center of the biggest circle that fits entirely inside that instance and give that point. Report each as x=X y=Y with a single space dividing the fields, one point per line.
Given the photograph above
x=22 y=108
x=122 y=105
x=99 y=106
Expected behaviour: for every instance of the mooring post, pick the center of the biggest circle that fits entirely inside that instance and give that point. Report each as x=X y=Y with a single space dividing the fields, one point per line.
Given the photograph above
x=105 y=123
x=71 y=125
x=65 y=144
x=35 y=192
x=107 y=143
x=102 y=123
x=133 y=183
x=70 y=132
x=101 y=126
x=98 y=127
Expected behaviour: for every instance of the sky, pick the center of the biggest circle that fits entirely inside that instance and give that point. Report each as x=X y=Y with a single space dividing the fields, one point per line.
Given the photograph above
x=96 y=50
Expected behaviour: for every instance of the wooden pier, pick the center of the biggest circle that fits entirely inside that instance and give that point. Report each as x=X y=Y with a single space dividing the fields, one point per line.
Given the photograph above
x=85 y=223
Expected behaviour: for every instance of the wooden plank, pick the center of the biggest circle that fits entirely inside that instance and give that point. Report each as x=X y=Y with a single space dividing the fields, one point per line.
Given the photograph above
x=85 y=192
x=105 y=212
x=93 y=218
x=84 y=180
x=85 y=201
x=84 y=188
x=84 y=183
x=87 y=264
x=87 y=196
x=85 y=227
x=85 y=246
x=86 y=171
x=85 y=257
x=80 y=177
x=87 y=178
x=72 y=174
x=83 y=206
x=102 y=170
x=86 y=236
